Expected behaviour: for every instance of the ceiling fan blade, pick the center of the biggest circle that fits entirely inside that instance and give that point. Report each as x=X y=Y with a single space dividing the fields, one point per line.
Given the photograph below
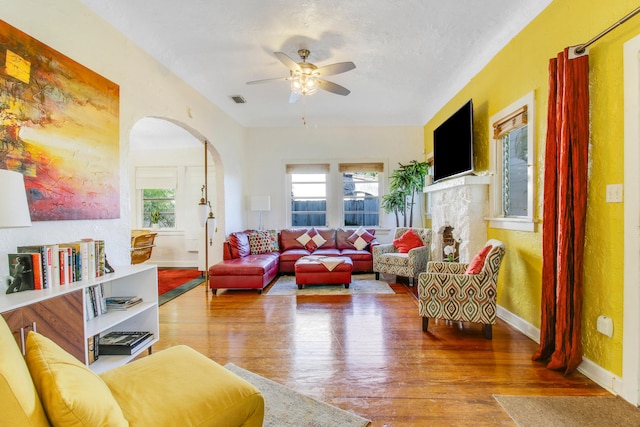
x=288 y=62
x=333 y=88
x=294 y=97
x=337 y=68
x=267 y=80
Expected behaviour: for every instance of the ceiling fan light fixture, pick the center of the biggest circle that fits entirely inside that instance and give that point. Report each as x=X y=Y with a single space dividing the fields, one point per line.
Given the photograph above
x=304 y=84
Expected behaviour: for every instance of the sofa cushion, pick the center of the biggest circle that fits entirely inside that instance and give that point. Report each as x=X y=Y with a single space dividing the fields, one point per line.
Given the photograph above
x=343 y=234
x=239 y=244
x=181 y=387
x=293 y=254
x=478 y=261
x=288 y=239
x=327 y=252
x=20 y=404
x=409 y=240
x=250 y=265
x=357 y=255
x=360 y=238
x=329 y=234
x=71 y=393
x=311 y=239
x=260 y=242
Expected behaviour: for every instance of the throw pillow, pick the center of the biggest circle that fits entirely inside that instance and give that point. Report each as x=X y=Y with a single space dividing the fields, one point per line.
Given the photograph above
x=260 y=242
x=273 y=236
x=409 y=240
x=478 y=261
x=71 y=393
x=239 y=244
x=311 y=240
x=360 y=238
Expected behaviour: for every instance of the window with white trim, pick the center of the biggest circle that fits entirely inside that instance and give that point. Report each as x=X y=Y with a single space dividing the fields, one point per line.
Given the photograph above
x=323 y=194
x=308 y=194
x=157 y=186
x=512 y=165
x=361 y=193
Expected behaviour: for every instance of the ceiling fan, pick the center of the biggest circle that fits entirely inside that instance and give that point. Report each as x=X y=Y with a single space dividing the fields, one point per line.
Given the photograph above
x=305 y=77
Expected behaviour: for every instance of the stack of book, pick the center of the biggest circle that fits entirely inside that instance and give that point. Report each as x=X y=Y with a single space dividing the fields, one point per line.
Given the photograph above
x=123 y=343
x=122 y=303
x=95 y=303
x=48 y=266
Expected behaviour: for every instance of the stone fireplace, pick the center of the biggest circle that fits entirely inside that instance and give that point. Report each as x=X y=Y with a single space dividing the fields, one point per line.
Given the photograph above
x=461 y=204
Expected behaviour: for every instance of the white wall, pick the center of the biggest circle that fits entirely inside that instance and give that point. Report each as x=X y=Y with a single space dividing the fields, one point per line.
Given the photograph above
x=146 y=89
x=270 y=149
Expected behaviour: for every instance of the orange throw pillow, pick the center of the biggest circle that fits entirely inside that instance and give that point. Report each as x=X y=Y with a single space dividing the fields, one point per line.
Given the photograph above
x=409 y=240
x=476 y=264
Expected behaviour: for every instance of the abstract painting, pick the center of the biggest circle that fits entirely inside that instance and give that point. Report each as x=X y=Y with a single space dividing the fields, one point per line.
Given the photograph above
x=59 y=127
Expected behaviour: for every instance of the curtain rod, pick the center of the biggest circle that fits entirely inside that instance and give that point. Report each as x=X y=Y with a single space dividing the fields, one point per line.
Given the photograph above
x=582 y=47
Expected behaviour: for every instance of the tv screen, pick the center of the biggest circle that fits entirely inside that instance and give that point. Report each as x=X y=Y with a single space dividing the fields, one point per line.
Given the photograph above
x=453 y=145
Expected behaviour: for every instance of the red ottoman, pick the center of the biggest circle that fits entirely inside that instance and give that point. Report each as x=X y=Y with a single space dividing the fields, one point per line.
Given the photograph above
x=319 y=270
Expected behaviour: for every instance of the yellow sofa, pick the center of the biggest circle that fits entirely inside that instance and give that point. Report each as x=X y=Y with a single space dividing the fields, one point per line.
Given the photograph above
x=172 y=387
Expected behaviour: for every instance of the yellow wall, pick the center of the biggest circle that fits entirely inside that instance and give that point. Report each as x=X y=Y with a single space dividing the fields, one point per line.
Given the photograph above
x=521 y=67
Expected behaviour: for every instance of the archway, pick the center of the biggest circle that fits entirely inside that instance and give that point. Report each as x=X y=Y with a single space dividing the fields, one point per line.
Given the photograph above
x=167 y=154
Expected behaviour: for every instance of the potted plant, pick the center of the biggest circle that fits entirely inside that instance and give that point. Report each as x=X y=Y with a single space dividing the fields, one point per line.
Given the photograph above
x=405 y=183
x=154 y=215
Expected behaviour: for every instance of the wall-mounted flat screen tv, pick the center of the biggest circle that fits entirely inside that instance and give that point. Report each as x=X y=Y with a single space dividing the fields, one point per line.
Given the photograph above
x=453 y=145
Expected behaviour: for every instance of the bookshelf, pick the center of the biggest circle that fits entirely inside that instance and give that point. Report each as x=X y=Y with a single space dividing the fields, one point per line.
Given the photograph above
x=59 y=312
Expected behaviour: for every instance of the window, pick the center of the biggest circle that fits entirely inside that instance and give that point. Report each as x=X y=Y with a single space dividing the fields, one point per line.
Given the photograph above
x=157 y=187
x=308 y=194
x=361 y=196
x=512 y=154
x=159 y=207
x=348 y=195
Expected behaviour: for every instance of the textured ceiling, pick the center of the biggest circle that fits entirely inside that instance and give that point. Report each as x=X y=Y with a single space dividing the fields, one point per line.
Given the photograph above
x=411 y=56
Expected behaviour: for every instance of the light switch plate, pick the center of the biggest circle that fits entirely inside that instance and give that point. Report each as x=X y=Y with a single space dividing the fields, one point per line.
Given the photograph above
x=614 y=193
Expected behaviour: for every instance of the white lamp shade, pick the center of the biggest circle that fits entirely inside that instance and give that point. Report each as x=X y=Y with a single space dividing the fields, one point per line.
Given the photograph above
x=15 y=209
x=203 y=213
x=261 y=203
x=211 y=224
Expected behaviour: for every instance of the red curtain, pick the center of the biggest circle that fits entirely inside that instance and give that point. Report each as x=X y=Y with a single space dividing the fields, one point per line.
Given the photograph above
x=564 y=212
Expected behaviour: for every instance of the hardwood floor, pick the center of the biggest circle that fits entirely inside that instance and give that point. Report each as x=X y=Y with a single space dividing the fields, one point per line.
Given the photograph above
x=367 y=354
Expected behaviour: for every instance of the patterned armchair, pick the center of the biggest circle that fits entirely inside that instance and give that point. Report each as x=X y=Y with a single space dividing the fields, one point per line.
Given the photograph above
x=446 y=292
x=387 y=259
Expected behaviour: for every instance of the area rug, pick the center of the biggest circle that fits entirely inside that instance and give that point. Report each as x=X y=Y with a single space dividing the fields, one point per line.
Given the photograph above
x=360 y=284
x=570 y=411
x=174 y=282
x=285 y=407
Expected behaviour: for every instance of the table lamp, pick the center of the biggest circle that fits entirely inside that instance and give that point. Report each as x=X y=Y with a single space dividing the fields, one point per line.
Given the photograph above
x=15 y=209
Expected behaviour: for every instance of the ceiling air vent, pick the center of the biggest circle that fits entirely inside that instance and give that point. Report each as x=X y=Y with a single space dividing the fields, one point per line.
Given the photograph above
x=238 y=99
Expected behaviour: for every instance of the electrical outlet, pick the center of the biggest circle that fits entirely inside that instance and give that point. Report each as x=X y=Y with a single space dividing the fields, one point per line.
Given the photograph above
x=605 y=326
x=614 y=193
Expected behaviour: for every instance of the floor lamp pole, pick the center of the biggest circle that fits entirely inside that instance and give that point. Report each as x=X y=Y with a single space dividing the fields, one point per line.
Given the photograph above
x=206 y=223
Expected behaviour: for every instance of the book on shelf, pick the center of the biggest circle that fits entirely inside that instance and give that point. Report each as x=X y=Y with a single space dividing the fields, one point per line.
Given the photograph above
x=95 y=301
x=21 y=273
x=45 y=261
x=123 y=342
x=63 y=263
x=93 y=346
x=122 y=303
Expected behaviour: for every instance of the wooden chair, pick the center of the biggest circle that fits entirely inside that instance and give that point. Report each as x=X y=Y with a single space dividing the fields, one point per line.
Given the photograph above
x=141 y=246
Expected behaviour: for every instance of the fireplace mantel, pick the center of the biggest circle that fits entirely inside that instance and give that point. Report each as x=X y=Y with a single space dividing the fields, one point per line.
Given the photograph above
x=457 y=182
x=461 y=203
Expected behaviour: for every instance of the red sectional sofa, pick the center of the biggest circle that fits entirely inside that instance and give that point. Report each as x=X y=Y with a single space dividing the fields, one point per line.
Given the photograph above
x=252 y=259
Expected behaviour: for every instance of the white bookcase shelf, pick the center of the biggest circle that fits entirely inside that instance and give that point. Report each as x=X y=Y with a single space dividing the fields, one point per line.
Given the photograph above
x=67 y=305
